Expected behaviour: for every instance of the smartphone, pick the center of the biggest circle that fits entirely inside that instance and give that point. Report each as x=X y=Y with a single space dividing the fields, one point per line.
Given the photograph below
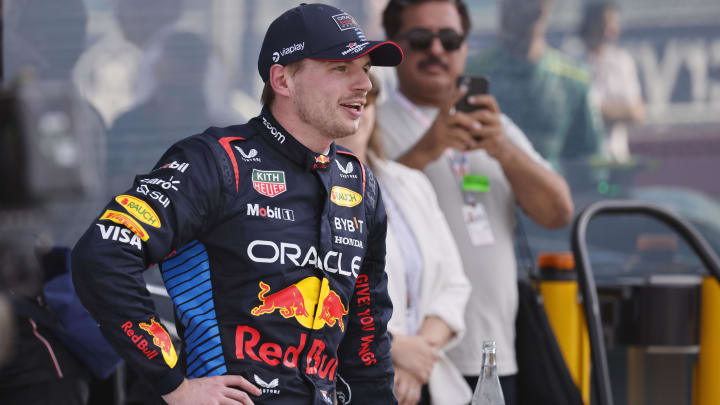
x=475 y=85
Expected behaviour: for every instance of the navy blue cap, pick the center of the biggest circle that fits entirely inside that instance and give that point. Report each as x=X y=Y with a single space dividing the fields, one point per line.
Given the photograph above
x=320 y=32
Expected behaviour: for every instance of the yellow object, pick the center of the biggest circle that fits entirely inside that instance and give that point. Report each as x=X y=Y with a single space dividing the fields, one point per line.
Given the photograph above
x=565 y=312
x=707 y=372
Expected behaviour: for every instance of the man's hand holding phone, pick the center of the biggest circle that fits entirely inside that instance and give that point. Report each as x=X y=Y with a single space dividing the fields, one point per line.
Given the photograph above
x=484 y=113
x=469 y=120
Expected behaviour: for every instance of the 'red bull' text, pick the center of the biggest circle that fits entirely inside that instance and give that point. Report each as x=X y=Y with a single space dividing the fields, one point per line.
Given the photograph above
x=247 y=345
x=140 y=342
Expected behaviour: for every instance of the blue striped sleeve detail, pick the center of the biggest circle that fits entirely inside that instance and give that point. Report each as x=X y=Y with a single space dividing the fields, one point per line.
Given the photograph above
x=212 y=367
x=185 y=252
x=185 y=298
x=204 y=327
x=183 y=285
x=190 y=301
x=190 y=313
x=200 y=352
x=188 y=264
x=188 y=281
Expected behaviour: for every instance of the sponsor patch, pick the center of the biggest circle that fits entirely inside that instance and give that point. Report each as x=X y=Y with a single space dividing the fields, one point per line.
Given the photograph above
x=346 y=172
x=137 y=338
x=267 y=387
x=288 y=51
x=251 y=344
x=126 y=221
x=269 y=182
x=344 y=197
x=165 y=184
x=301 y=300
x=321 y=162
x=354 y=47
x=256 y=210
x=139 y=209
x=155 y=195
x=274 y=131
x=251 y=156
x=349 y=225
x=267 y=251
x=347 y=169
x=120 y=234
x=162 y=340
x=177 y=166
x=345 y=21
x=343 y=240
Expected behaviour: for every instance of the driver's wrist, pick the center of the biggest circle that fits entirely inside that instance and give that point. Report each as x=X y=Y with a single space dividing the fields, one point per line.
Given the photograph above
x=170 y=395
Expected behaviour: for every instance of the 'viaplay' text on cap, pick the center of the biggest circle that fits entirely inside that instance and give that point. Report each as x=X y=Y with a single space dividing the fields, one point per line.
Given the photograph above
x=320 y=32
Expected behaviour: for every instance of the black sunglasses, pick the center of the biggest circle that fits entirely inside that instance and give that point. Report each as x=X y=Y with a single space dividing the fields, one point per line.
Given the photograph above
x=420 y=39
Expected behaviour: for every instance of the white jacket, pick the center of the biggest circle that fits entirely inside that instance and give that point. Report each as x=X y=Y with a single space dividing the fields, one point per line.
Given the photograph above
x=445 y=289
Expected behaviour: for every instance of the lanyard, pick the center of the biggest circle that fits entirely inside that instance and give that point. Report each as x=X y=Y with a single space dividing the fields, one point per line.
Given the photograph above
x=461 y=169
x=457 y=160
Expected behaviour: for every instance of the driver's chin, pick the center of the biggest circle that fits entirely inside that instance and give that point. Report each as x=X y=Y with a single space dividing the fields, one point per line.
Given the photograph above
x=346 y=128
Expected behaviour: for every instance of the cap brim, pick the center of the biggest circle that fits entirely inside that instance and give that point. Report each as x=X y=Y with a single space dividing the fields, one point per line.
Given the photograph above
x=382 y=53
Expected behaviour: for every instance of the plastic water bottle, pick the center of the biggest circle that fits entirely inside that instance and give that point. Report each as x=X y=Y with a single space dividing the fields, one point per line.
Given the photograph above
x=488 y=390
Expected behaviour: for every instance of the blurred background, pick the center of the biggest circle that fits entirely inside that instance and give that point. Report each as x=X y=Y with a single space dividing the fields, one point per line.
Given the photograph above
x=106 y=86
x=149 y=74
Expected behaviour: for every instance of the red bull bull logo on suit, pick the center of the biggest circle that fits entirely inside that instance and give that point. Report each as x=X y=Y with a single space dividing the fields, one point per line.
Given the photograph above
x=162 y=340
x=300 y=300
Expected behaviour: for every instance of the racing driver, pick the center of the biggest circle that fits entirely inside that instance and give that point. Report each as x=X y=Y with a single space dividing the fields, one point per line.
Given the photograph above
x=270 y=240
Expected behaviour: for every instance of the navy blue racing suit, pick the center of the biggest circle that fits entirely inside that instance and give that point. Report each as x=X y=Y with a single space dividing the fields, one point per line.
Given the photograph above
x=273 y=256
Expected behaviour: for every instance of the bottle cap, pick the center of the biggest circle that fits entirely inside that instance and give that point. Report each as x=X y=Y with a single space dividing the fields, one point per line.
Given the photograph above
x=557 y=260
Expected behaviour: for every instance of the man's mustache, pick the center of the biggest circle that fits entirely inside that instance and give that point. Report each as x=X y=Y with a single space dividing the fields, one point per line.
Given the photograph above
x=433 y=60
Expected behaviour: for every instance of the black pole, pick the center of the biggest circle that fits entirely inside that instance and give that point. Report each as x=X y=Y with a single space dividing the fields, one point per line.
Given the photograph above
x=2 y=43
x=600 y=373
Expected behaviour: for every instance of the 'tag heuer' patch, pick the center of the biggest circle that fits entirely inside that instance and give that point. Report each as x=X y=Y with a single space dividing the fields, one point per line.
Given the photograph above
x=269 y=182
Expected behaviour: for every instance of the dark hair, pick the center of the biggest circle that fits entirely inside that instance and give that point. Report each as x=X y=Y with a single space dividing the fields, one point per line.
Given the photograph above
x=593 y=23
x=392 y=16
x=268 y=94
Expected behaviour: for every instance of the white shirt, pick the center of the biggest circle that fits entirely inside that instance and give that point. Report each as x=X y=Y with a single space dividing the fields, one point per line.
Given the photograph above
x=490 y=314
x=443 y=288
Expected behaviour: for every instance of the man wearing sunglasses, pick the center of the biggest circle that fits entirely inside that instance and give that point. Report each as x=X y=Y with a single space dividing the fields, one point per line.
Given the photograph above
x=479 y=163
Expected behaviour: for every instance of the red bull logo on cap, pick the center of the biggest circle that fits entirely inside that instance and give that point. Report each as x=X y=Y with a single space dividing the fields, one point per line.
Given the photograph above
x=162 y=340
x=299 y=301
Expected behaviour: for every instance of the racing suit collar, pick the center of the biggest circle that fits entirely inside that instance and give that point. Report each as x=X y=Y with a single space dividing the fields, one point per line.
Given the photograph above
x=287 y=145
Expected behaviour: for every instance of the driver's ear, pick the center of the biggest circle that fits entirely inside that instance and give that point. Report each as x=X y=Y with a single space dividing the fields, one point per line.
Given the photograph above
x=280 y=80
